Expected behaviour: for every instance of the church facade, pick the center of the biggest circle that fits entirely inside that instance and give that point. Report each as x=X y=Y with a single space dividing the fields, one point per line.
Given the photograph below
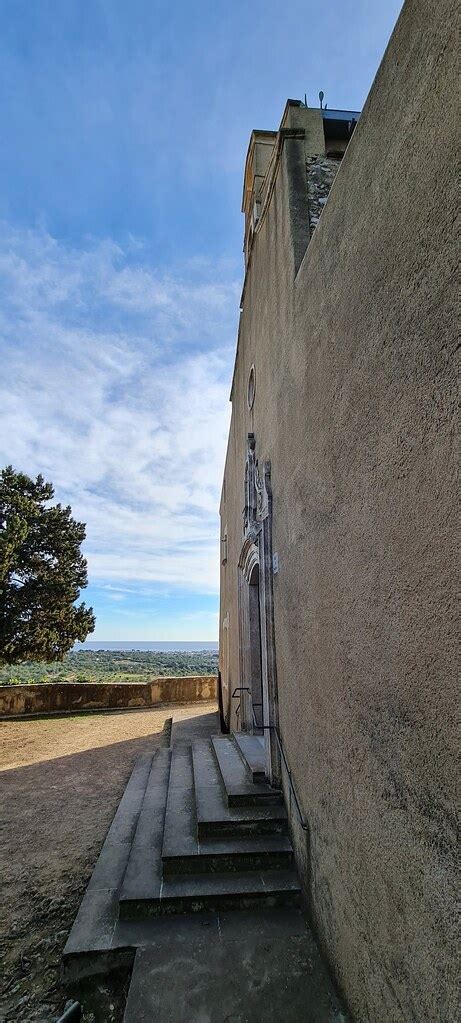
x=338 y=510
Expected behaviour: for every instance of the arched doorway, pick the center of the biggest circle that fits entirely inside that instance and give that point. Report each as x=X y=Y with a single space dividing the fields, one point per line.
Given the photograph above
x=255 y=680
x=258 y=673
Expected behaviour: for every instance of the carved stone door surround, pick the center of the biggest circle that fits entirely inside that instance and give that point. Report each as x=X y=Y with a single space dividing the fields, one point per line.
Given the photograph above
x=257 y=551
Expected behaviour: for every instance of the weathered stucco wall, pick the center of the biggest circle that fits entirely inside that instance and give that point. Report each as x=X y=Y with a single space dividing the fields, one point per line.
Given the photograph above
x=355 y=405
x=69 y=697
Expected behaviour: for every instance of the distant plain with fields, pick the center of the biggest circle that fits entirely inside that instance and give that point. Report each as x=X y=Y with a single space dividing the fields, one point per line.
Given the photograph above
x=112 y=666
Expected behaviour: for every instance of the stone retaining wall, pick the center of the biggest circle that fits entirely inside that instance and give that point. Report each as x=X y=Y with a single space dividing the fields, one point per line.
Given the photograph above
x=69 y=697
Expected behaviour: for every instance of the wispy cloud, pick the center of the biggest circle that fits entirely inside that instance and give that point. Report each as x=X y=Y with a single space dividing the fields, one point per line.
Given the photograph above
x=118 y=316
x=114 y=385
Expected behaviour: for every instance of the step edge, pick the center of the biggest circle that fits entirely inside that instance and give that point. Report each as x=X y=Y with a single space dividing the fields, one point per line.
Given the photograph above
x=74 y=946
x=263 y=886
x=167 y=757
x=256 y=774
x=252 y=788
x=226 y=740
x=165 y=854
x=205 y=856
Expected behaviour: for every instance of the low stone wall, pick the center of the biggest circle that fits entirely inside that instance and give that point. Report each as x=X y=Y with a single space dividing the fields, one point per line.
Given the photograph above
x=69 y=697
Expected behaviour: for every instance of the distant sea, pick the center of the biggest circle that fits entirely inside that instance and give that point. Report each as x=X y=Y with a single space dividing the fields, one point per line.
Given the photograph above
x=139 y=645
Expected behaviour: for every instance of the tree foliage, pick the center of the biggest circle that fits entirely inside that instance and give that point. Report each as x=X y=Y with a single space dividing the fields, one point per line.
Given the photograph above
x=113 y=666
x=42 y=571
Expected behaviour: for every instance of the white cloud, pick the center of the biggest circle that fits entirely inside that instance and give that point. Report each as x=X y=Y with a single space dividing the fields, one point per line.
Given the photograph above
x=114 y=385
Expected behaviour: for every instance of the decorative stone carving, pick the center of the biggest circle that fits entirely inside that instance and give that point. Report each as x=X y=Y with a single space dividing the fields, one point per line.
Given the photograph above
x=258 y=491
x=256 y=552
x=249 y=511
x=263 y=491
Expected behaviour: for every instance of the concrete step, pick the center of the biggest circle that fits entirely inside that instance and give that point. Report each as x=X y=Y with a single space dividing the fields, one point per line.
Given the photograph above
x=262 y=921
x=180 y=831
x=260 y=852
x=247 y=976
x=143 y=875
x=215 y=818
x=201 y=893
x=251 y=749
x=94 y=925
x=240 y=788
x=182 y=851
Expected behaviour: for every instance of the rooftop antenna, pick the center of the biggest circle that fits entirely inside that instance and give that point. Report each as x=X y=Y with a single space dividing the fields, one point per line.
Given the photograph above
x=321 y=96
x=305 y=100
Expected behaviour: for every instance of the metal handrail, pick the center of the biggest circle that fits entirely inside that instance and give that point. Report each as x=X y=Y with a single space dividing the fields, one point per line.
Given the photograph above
x=72 y=1014
x=255 y=722
x=239 y=689
x=273 y=728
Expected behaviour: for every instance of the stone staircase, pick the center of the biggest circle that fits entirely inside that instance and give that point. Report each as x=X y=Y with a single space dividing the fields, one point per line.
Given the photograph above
x=198 y=835
x=223 y=844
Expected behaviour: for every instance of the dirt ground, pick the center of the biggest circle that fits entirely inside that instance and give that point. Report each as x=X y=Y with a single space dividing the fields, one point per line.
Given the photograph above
x=61 y=781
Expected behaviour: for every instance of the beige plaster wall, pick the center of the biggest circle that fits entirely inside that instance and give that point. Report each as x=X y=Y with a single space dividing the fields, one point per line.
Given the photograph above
x=355 y=404
x=69 y=697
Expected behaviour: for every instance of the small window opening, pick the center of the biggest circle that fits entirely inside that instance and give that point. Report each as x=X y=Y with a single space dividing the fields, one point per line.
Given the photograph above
x=251 y=388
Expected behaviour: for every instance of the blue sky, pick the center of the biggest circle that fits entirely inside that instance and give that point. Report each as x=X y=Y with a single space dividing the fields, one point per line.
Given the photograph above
x=124 y=131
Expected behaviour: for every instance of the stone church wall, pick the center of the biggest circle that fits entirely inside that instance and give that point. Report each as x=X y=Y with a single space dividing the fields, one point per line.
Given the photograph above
x=321 y=172
x=354 y=406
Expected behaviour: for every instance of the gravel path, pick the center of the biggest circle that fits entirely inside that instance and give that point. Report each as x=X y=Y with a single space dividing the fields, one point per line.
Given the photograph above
x=61 y=781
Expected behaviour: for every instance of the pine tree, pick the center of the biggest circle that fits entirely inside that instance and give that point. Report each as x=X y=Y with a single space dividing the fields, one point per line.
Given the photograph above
x=42 y=571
